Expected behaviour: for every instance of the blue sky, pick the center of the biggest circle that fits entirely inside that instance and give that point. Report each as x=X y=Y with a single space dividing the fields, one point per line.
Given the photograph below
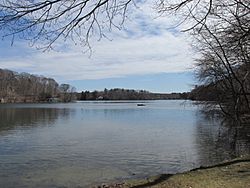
x=162 y=82
x=148 y=54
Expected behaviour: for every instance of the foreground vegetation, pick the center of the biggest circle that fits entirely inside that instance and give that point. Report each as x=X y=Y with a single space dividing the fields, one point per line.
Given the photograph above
x=222 y=39
x=231 y=174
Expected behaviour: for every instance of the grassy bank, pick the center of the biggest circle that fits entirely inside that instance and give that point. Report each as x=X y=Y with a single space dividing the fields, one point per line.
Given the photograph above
x=230 y=174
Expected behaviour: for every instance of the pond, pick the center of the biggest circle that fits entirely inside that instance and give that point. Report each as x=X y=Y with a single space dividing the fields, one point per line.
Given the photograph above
x=86 y=143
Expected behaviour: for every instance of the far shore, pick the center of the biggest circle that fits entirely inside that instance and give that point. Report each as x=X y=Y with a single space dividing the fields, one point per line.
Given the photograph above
x=74 y=101
x=228 y=174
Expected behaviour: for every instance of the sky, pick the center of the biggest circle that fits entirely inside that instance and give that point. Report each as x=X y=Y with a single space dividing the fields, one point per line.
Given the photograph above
x=148 y=53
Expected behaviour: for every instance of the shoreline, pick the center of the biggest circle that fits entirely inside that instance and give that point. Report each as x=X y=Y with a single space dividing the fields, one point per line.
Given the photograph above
x=74 y=101
x=228 y=174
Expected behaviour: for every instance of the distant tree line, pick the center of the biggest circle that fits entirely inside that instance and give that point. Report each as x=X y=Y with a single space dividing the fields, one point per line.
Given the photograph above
x=127 y=94
x=24 y=87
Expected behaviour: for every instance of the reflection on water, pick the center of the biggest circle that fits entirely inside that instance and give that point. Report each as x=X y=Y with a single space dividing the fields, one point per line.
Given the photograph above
x=224 y=134
x=80 y=144
x=217 y=141
x=12 y=118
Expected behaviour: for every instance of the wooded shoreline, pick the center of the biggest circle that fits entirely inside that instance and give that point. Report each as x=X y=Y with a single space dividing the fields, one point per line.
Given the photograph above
x=28 y=88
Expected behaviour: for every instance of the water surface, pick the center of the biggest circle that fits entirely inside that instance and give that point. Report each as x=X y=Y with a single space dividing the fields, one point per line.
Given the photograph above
x=86 y=143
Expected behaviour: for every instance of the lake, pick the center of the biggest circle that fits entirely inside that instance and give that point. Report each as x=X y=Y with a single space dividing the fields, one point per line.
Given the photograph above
x=86 y=143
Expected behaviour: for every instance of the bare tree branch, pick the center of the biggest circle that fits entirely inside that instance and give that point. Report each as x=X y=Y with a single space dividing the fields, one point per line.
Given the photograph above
x=51 y=20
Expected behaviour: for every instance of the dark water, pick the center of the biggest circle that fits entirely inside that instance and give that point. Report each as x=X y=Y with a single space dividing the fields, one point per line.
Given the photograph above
x=82 y=144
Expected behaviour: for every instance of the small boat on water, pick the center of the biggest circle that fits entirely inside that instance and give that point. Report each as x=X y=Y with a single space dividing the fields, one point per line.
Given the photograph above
x=140 y=104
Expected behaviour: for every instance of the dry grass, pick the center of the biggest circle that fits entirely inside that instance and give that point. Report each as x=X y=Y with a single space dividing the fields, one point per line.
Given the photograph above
x=232 y=174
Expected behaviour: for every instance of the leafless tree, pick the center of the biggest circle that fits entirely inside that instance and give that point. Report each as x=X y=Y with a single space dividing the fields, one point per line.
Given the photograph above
x=48 y=21
x=67 y=92
x=15 y=87
x=224 y=43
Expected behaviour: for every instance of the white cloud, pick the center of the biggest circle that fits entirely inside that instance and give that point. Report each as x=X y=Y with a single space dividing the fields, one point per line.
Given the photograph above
x=148 y=47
